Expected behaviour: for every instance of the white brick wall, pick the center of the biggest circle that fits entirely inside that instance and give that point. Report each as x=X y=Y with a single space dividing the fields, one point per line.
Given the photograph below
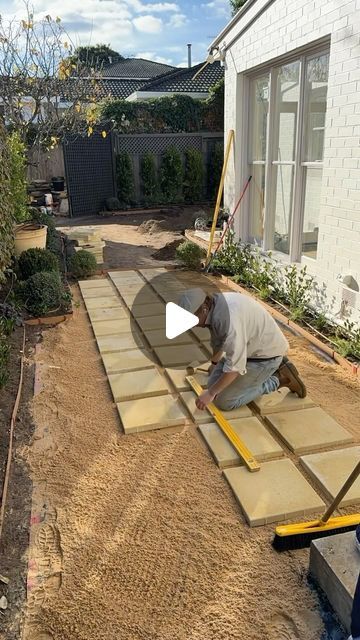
x=286 y=26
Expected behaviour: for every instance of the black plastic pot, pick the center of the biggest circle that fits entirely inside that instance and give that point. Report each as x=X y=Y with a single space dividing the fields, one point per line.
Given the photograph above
x=58 y=183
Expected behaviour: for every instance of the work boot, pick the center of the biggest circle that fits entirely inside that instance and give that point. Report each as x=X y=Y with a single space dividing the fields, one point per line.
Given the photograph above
x=288 y=376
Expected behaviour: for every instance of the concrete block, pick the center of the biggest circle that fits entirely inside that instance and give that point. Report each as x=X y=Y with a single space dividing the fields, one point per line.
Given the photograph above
x=143 y=384
x=150 y=413
x=281 y=400
x=331 y=469
x=335 y=566
x=308 y=430
x=278 y=492
x=253 y=434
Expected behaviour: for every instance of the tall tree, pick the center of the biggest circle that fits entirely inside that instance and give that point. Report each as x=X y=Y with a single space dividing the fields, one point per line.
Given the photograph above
x=37 y=76
x=96 y=56
x=236 y=5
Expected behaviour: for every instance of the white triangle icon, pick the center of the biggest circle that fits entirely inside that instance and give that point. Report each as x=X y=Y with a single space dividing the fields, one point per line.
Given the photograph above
x=178 y=320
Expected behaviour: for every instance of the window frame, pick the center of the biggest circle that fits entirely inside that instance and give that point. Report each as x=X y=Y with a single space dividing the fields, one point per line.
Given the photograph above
x=300 y=164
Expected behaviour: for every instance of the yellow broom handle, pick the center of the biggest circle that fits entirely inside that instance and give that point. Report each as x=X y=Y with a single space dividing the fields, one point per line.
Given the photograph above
x=343 y=491
x=229 y=143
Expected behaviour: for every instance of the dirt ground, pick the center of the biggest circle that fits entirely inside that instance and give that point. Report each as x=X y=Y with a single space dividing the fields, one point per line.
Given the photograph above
x=140 y=239
x=140 y=537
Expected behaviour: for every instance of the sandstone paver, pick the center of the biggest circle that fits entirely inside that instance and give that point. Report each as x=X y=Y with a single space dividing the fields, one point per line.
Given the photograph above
x=151 y=323
x=112 y=327
x=157 y=338
x=145 y=310
x=103 y=302
x=145 y=297
x=177 y=376
x=253 y=434
x=133 y=360
x=331 y=469
x=93 y=284
x=114 y=313
x=199 y=416
x=97 y=292
x=121 y=342
x=308 y=430
x=142 y=384
x=150 y=413
x=281 y=400
x=276 y=493
x=179 y=355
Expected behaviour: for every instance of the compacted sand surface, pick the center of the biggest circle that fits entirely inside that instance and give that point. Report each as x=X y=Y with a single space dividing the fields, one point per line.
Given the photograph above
x=144 y=539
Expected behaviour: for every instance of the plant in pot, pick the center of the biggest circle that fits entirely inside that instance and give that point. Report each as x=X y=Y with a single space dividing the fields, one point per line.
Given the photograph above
x=28 y=233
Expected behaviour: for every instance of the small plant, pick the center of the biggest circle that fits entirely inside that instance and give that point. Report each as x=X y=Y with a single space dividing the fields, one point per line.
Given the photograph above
x=36 y=260
x=149 y=178
x=172 y=176
x=82 y=264
x=190 y=254
x=194 y=176
x=125 y=179
x=347 y=340
x=297 y=291
x=9 y=318
x=320 y=321
x=4 y=361
x=42 y=293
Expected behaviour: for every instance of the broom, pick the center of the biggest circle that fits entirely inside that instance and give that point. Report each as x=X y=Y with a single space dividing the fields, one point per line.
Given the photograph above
x=300 y=535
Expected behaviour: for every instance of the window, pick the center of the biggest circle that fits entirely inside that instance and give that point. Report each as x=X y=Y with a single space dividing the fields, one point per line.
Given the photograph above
x=287 y=125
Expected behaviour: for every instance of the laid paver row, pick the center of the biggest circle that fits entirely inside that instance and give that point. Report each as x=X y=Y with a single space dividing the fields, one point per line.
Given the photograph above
x=285 y=415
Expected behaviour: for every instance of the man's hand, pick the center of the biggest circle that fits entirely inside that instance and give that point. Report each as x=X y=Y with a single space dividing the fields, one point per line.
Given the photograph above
x=203 y=400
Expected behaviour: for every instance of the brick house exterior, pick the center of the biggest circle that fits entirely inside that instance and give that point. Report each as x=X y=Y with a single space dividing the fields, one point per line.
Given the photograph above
x=292 y=96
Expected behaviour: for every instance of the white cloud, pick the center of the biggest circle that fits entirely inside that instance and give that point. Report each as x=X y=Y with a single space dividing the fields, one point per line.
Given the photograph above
x=177 y=20
x=218 y=7
x=148 y=24
x=157 y=7
x=151 y=55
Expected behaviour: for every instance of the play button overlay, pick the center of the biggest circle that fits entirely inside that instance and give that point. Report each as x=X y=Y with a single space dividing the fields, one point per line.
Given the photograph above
x=178 y=320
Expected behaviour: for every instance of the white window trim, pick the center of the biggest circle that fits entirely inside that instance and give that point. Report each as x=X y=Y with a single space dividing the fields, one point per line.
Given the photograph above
x=295 y=239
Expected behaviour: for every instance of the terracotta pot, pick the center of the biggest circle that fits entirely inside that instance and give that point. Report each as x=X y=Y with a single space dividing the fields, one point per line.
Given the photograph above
x=29 y=235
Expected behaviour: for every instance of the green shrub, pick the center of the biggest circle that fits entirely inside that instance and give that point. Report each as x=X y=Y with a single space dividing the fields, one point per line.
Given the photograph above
x=172 y=176
x=214 y=170
x=18 y=165
x=297 y=291
x=7 y=215
x=190 y=254
x=36 y=260
x=149 y=179
x=82 y=264
x=53 y=237
x=42 y=293
x=125 y=179
x=194 y=176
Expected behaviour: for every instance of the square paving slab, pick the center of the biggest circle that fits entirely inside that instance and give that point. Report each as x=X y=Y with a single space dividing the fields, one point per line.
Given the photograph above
x=124 y=275
x=308 y=430
x=103 y=302
x=151 y=323
x=157 y=338
x=145 y=310
x=179 y=355
x=331 y=469
x=150 y=413
x=115 y=313
x=253 y=434
x=142 y=298
x=122 y=342
x=201 y=333
x=126 y=361
x=201 y=417
x=141 y=384
x=112 y=327
x=276 y=493
x=177 y=377
x=93 y=284
x=281 y=400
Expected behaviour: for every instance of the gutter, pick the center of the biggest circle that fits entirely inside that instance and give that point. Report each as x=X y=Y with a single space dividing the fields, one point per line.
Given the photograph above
x=232 y=22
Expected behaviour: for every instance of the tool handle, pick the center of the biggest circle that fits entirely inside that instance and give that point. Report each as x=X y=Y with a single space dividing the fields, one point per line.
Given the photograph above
x=343 y=491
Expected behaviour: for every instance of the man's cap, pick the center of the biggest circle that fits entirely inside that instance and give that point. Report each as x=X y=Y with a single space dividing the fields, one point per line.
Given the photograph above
x=192 y=299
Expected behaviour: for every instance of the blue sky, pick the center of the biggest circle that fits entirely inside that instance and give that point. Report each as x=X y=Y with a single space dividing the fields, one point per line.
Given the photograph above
x=158 y=30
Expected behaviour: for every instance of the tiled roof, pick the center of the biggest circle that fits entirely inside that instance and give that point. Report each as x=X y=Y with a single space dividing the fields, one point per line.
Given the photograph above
x=131 y=68
x=181 y=80
x=118 y=88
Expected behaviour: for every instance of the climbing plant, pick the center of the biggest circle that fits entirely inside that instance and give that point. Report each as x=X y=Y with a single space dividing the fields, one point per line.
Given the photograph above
x=194 y=176
x=7 y=215
x=172 y=176
x=18 y=177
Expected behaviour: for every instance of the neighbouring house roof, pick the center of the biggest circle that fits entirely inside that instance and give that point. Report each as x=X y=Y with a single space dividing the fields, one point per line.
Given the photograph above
x=119 y=89
x=134 y=69
x=181 y=80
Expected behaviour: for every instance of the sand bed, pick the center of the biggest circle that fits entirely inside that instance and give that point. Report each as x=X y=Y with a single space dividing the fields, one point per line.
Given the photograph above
x=149 y=543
